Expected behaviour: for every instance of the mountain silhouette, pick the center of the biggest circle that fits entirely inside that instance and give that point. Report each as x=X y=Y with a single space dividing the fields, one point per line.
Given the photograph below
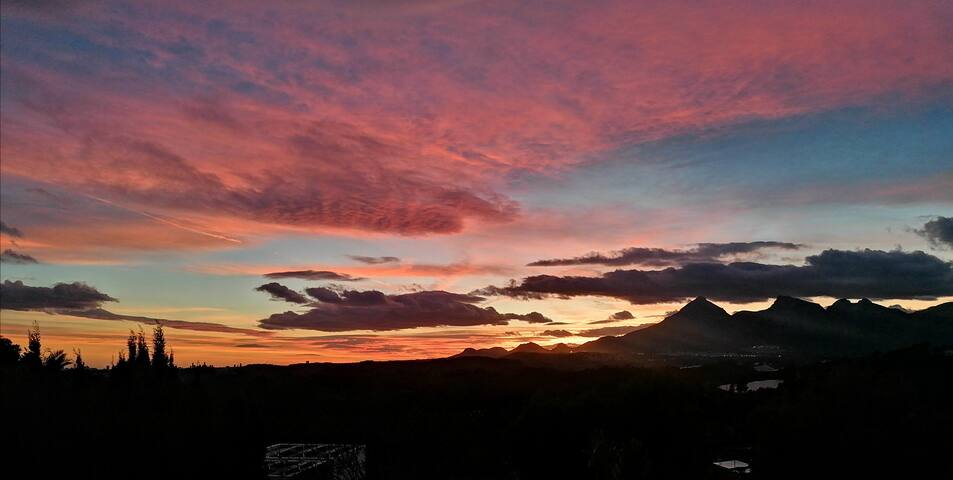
x=941 y=312
x=699 y=325
x=789 y=324
x=531 y=348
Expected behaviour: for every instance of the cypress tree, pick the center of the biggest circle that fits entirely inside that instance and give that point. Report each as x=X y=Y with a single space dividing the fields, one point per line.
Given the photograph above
x=142 y=351
x=159 y=359
x=131 y=346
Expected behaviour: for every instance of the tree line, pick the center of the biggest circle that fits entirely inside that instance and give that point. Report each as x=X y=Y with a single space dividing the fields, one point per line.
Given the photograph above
x=136 y=357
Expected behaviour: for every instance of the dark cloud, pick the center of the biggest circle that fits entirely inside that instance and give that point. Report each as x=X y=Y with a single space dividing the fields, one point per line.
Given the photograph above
x=834 y=273
x=12 y=231
x=373 y=310
x=556 y=333
x=323 y=294
x=717 y=250
x=373 y=260
x=532 y=317
x=18 y=296
x=281 y=292
x=702 y=253
x=363 y=298
x=314 y=275
x=623 y=315
x=939 y=231
x=80 y=300
x=11 y=256
x=615 y=317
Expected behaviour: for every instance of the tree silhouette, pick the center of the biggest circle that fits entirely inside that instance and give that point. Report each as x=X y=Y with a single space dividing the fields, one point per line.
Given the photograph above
x=33 y=358
x=131 y=346
x=9 y=352
x=121 y=363
x=142 y=351
x=159 y=359
x=79 y=365
x=56 y=361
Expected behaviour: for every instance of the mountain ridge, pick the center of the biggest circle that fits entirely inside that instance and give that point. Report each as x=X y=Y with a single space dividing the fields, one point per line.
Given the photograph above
x=790 y=324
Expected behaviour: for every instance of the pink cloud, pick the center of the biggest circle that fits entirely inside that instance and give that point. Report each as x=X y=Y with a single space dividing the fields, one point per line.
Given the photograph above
x=317 y=118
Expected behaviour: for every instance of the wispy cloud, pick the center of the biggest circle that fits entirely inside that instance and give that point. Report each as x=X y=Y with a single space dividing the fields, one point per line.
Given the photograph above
x=16 y=258
x=11 y=231
x=313 y=275
x=373 y=260
x=79 y=299
x=703 y=252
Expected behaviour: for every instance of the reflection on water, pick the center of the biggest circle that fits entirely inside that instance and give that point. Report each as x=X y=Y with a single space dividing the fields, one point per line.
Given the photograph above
x=751 y=386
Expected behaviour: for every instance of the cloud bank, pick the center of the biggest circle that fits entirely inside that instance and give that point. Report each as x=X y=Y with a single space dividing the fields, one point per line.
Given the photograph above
x=374 y=310
x=67 y=296
x=835 y=273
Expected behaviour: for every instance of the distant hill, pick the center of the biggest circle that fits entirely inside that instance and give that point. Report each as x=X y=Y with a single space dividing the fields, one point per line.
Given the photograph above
x=790 y=324
x=531 y=348
x=495 y=352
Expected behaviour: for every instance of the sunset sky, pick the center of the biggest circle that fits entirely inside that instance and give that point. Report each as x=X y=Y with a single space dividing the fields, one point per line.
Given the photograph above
x=293 y=181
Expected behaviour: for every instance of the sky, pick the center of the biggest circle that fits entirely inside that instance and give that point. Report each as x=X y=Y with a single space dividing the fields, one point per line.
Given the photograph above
x=296 y=181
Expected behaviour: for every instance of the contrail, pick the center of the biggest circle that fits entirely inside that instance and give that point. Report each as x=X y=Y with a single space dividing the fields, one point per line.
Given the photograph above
x=166 y=221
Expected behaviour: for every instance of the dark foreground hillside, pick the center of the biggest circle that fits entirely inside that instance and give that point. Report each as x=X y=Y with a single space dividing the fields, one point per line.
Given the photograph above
x=883 y=415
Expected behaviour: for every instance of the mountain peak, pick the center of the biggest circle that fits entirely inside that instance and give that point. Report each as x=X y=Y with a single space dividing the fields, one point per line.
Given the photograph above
x=531 y=347
x=795 y=305
x=699 y=312
x=701 y=307
x=840 y=304
x=864 y=304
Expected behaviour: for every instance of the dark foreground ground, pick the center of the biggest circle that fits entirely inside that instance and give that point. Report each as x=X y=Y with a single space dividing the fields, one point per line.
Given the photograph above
x=887 y=415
